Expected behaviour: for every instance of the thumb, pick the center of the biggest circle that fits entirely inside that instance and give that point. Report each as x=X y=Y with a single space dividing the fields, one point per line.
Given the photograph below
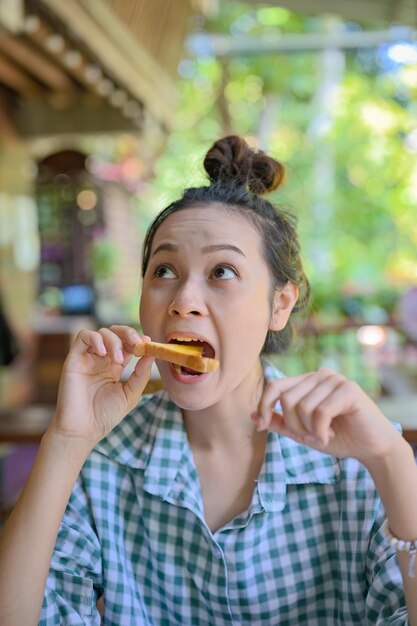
x=138 y=380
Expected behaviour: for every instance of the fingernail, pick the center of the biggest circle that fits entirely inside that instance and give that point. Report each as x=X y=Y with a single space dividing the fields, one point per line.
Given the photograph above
x=119 y=356
x=260 y=424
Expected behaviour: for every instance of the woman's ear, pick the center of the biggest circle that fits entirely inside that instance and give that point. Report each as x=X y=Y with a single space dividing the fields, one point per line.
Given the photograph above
x=284 y=302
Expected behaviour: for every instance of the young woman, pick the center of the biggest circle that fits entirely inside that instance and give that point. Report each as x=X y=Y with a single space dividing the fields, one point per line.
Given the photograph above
x=233 y=497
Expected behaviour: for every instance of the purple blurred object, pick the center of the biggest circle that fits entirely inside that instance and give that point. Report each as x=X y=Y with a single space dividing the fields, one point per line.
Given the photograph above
x=15 y=466
x=407 y=313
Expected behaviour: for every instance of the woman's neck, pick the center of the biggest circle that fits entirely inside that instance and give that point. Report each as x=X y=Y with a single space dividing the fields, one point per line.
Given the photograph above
x=228 y=423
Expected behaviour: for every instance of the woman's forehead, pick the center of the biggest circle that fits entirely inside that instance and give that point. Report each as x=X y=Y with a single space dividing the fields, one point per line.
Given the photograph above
x=207 y=221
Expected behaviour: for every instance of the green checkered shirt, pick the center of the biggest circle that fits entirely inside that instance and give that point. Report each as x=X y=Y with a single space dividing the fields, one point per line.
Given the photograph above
x=308 y=551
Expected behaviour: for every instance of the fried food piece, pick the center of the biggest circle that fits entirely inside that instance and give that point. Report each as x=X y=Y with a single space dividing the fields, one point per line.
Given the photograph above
x=179 y=354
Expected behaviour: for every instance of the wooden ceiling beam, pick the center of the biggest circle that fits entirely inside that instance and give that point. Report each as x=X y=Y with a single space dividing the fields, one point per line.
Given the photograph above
x=42 y=36
x=11 y=15
x=17 y=80
x=82 y=67
x=108 y=45
x=35 y=63
x=140 y=57
x=82 y=116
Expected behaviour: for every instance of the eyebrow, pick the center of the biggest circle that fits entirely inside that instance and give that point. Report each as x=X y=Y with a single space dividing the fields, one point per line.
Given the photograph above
x=173 y=247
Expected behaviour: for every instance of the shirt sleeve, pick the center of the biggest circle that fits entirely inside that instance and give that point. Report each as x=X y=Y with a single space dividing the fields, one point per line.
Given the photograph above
x=385 y=602
x=75 y=577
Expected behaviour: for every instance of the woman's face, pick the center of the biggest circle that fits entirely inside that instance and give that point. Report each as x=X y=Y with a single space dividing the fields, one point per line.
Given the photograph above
x=207 y=280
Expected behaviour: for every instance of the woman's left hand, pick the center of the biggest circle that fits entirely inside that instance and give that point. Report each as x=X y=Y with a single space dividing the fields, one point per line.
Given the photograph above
x=328 y=412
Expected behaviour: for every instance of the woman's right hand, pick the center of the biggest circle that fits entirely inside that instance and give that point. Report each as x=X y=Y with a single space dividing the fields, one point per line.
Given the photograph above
x=91 y=399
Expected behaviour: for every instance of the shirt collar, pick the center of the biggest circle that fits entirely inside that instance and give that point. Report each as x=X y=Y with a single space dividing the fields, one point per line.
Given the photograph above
x=153 y=438
x=289 y=463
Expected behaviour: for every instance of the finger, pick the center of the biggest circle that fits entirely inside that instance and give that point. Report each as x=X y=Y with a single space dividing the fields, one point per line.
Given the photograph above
x=285 y=384
x=273 y=390
x=138 y=380
x=338 y=403
x=89 y=341
x=113 y=344
x=314 y=397
x=272 y=394
x=278 y=425
x=296 y=420
x=129 y=336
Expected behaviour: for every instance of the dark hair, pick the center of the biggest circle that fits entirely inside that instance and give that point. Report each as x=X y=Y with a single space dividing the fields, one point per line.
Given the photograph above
x=238 y=174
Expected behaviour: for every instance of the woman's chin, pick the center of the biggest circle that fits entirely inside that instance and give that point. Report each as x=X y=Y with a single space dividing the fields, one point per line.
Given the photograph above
x=188 y=398
x=185 y=400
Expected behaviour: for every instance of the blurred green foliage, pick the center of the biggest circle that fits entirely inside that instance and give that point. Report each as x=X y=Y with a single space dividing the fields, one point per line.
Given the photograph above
x=104 y=257
x=350 y=148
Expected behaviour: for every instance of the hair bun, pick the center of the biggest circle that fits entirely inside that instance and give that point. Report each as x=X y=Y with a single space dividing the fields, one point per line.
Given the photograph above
x=231 y=159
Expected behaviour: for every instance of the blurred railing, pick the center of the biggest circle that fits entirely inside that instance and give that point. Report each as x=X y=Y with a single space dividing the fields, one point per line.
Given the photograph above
x=381 y=358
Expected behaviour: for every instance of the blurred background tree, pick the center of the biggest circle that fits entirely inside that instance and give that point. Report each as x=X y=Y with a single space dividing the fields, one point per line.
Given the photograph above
x=344 y=123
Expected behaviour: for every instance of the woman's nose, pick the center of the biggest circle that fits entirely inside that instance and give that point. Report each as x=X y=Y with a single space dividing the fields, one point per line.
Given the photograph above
x=187 y=302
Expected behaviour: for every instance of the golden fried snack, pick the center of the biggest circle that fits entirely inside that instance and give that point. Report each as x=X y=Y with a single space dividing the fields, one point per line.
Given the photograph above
x=179 y=354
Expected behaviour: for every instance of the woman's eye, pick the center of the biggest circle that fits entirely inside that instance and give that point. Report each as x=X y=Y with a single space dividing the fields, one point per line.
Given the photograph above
x=164 y=271
x=224 y=272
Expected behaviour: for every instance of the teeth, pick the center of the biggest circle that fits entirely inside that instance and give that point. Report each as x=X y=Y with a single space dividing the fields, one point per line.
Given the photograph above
x=185 y=339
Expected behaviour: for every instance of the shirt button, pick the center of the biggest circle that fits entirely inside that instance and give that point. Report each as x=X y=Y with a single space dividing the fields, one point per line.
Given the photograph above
x=217 y=553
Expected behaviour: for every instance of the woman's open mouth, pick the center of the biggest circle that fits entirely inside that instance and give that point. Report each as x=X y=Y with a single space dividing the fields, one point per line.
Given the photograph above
x=206 y=350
